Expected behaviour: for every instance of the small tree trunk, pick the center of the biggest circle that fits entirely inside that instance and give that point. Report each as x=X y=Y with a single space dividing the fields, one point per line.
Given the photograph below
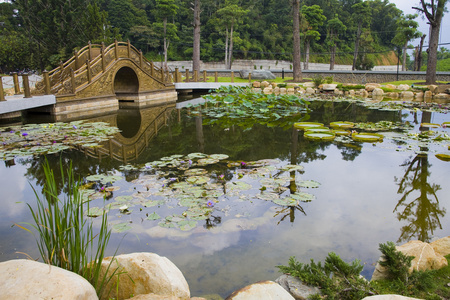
x=432 y=55
x=305 y=66
x=419 y=60
x=165 y=43
x=355 y=54
x=297 y=67
x=332 y=57
x=226 y=48
x=404 y=57
x=230 y=50
x=196 y=45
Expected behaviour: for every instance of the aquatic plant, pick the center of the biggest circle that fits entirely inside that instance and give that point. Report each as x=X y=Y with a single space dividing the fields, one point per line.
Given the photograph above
x=65 y=237
x=48 y=138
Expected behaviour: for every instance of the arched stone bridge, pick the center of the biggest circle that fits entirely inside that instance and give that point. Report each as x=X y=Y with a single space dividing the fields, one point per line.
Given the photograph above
x=97 y=78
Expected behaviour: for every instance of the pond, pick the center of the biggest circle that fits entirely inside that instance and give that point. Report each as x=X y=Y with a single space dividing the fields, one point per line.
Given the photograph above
x=228 y=203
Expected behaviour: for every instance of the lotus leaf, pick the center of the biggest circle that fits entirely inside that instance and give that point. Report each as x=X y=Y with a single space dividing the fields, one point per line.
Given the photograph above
x=287 y=201
x=196 y=155
x=303 y=125
x=94 y=212
x=219 y=156
x=239 y=185
x=268 y=196
x=189 y=201
x=153 y=216
x=197 y=179
x=444 y=157
x=186 y=225
x=207 y=161
x=121 y=227
x=198 y=213
x=195 y=172
x=309 y=184
x=341 y=132
x=430 y=125
x=123 y=198
x=322 y=136
x=151 y=203
x=103 y=178
x=342 y=124
x=318 y=129
x=367 y=137
x=290 y=168
x=304 y=197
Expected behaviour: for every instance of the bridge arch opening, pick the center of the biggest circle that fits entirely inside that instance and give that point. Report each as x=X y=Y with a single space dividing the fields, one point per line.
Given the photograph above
x=126 y=83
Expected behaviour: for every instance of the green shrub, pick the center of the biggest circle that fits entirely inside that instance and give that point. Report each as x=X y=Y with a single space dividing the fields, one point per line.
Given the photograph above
x=66 y=239
x=317 y=80
x=347 y=88
x=329 y=79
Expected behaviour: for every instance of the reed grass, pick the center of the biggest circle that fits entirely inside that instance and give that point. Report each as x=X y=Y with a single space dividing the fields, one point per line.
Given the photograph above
x=66 y=238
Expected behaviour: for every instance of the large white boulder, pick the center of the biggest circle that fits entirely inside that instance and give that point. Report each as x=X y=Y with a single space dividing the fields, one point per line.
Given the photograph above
x=27 y=279
x=297 y=288
x=377 y=92
x=425 y=258
x=145 y=273
x=442 y=246
x=403 y=87
x=267 y=290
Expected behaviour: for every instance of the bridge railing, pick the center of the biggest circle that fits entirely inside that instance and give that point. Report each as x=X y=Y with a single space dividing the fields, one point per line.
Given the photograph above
x=202 y=77
x=92 y=61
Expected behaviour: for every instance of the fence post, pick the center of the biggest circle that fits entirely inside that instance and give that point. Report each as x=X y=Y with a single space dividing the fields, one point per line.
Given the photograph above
x=103 y=57
x=116 y=49
x=16 y=83
x=204 y=75
x=141 y=58
x=72 y=77
x=187 y=75
x=162 y=75
x=129 y=48
x=232 y=76
x=90 y=50
x=88 y=70
x=195 y=76
x=176 y=75
x=2 y=95
x=26 y=86
x=152 y=69
x=47 y=88
x=216 y=77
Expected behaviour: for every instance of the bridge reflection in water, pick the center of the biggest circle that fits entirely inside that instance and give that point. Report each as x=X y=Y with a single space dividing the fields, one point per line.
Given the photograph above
x=138 y=127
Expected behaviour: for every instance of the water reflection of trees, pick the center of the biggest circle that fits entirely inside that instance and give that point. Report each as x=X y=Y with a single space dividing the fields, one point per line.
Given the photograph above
x=422 y=212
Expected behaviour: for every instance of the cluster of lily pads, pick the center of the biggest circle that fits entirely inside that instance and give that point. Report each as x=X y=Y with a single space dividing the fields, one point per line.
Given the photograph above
x=346 y=132
x=48 y=138
x=245 y=108
x=196 y=186
x=388 y=105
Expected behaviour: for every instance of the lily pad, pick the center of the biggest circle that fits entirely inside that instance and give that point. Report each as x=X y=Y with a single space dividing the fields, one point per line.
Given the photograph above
x=321 y=136
x=195 y=172
x=121 y=227
x=268 y=196
x=430 y=125
x=342 y=124
x=186 y=225
x=197 y=179
x=367 y=137
x=304 y=197
x=290 y=168
x=104 y=178
x=94 y=212
x=442 y=156
x=287 y=201
x=153 y=216
x=303 y=125
x=309 y=184
x=341 y=132
x=219 y=156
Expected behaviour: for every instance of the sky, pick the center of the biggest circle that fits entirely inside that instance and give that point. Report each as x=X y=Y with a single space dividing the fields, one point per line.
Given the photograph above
x=406 y=7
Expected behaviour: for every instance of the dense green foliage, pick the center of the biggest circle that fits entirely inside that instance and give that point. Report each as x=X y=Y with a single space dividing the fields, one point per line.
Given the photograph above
x=50 y=30
x=340 y=280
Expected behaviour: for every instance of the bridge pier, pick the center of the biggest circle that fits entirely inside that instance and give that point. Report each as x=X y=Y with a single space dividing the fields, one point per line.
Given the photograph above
x=146 y=99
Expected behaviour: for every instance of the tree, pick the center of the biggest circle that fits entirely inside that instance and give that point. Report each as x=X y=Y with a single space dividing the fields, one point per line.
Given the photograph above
x=196 y=44
x=315 y=18
x=297 y=67
x=361 y=15
x=433 y=11
x=230 y=15
x=335 y=28
x=406 y=31
x=166 y=9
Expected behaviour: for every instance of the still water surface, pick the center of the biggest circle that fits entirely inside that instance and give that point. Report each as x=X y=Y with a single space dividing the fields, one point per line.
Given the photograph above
x=368 y=194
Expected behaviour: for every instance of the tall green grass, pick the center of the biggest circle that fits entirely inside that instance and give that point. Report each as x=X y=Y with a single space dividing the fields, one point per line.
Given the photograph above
x=65 y=236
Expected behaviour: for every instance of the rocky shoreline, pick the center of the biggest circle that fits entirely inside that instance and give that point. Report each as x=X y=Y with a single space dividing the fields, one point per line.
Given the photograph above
x=148 y=276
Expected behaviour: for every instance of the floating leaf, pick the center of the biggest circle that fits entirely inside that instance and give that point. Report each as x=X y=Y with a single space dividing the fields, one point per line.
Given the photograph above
x=367 y=137
x=195 y=172
x=303 y=125
x=121 y=227
x=197 y=179
x=268 y=196
x=218 y=156
x=304 y=197
x=309 y=184
x=290 y=168
x=153 y=216
x=186 y=225
x=94 y=212
x=287 y=201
